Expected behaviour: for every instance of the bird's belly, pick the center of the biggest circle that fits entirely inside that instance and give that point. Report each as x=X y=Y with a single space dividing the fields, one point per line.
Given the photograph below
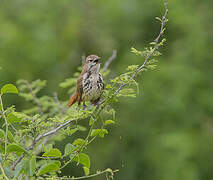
x=92 y=88
x=92 y=94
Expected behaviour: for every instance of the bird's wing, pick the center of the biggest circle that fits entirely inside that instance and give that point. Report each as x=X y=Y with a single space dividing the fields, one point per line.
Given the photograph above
x=80 y=88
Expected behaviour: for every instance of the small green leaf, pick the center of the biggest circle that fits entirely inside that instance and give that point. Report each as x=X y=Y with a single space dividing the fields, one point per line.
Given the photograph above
x=69 y=149
x=2 y=149
x=99 y=132
x=9 y=88
x=109 y=122
x=16 y=148
x=52 y=153
x=10 y=135
x=18 y=169
x=29 y=165
x=12 y=118
x=2 y=134
x=48 y=147
x=86 y=170
x=0 y=107
x=83 y=159
x=32 y=166
x=49 y=167
x=159 y=19
x=78 y=142
x=91 y=121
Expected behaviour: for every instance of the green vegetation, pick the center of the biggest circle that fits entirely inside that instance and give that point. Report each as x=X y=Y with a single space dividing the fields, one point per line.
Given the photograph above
x=163 y=133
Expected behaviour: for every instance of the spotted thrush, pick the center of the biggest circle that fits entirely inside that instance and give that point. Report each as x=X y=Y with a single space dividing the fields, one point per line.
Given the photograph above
x=90 y=83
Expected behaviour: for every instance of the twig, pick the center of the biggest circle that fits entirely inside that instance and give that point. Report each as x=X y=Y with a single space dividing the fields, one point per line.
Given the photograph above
x=92 y=175
x=3 y=173
x=109 y=61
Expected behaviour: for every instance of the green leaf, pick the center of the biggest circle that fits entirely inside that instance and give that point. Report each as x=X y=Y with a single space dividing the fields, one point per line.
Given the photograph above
x=18 y=169
x=52 y=153
x=9 y=88
x=32 y=166
x=86 y=171
x=83 y=159
x=2 y=149
x=47 y=147
x=2 y=134
x=99 y=132
x=69 y=148
x=49 y=167
x=10 y=135
x=78 y=141
x=159 y=19
x=91 y=121
x=29 y=166
x=12 y=118
x=16 y=148
x=107 y=122
x=0 y=106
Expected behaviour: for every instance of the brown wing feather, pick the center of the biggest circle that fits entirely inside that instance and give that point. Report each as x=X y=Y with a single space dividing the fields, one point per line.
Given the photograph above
x=79 y=89
x=79 y=92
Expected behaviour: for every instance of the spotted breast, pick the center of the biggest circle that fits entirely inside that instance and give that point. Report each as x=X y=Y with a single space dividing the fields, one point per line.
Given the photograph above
x=92 y=87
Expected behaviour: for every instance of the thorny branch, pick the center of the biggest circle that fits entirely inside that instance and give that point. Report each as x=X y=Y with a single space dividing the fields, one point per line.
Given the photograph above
x=163 y=22
x=148 y=56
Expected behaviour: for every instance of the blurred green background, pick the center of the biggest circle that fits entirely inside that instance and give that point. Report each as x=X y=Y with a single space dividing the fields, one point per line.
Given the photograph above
x=166 y=132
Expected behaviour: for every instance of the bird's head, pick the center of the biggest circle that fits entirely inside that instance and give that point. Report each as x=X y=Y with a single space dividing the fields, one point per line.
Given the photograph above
x=93 y=63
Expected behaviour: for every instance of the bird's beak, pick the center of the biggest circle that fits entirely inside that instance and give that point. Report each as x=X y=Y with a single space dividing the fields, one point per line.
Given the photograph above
x=97 y=61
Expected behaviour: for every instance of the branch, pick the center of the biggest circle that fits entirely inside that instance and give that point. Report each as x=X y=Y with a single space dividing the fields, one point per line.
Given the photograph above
x=109 y=61
x=163 y=22
x=93 y=175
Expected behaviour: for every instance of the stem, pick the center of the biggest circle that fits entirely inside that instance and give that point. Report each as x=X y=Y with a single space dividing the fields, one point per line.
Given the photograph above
x=3 y=173
x=6 y=126
x=92 y=175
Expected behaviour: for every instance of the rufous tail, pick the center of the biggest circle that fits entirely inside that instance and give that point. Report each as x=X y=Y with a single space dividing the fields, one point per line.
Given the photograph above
x=73 y=99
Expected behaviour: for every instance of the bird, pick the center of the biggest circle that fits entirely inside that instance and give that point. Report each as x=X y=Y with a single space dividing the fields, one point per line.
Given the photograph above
x=90 y=83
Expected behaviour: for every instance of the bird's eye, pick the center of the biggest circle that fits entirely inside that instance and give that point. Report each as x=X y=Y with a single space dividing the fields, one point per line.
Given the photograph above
x=90 y=60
